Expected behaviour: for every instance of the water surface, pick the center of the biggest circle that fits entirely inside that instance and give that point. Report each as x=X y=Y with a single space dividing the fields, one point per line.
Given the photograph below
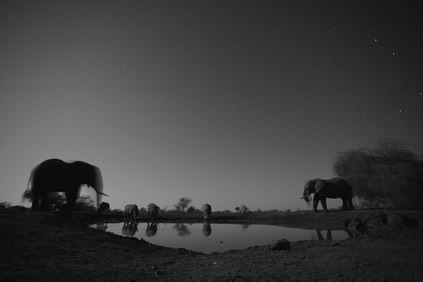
x=216 y=237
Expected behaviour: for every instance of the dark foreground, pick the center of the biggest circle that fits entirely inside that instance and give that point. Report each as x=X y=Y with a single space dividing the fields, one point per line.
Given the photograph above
x=48 y=246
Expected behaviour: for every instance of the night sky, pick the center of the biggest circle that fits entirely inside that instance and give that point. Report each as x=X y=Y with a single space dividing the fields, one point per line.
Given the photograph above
x=225 y=102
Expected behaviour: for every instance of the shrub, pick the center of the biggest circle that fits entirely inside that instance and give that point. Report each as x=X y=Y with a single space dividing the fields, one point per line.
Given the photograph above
x=387 y=176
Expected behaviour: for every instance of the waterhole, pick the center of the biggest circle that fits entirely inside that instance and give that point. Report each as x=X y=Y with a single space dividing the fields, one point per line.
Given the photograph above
x=216 y=237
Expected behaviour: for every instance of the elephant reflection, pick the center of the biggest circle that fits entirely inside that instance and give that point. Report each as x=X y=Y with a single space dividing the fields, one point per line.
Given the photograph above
x=55 y=175
x=129 y=228
x=244 y=226
x=332 y=188
x=182 y=229
x=328 y=235
x=151 y=229
x=207 y=230
x=101 y=226
x=131 y=212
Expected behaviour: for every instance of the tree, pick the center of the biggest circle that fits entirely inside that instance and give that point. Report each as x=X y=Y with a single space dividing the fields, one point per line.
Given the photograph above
x=387 y=176
x=5 y=205
x=182 y=204
x=191 y=209
x=85 y=203
x=243 y=208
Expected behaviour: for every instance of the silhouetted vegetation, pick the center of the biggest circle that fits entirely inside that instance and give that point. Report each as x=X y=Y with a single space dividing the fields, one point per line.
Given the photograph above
x=57 y=201
x=182 y=204
x=389 y=175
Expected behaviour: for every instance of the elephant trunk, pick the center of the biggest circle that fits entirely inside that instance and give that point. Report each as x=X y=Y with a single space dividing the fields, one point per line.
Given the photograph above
x=98 y=186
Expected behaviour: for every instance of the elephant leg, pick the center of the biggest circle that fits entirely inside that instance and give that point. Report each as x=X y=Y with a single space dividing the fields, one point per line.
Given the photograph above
x=329 y=235
x=44 y=202
x=319 y=235
x=350 y=204
x=315 y=203
x=71 y=196
x=323 y=201
x=344 y=204
x=35 y=201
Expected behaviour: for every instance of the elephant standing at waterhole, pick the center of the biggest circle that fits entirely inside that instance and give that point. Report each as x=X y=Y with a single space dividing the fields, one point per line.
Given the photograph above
x=153 y=211
x=131 y=212
x=206 y=211
x=331 y=188
x=55 y=175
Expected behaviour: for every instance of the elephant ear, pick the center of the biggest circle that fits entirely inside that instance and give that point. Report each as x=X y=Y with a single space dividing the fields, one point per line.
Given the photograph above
x=319 y=185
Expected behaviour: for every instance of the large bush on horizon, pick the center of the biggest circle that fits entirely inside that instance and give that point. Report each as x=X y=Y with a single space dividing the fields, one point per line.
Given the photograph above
x=389 y=175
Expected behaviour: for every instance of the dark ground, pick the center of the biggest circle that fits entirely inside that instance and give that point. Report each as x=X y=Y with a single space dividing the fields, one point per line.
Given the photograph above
x=47 y=246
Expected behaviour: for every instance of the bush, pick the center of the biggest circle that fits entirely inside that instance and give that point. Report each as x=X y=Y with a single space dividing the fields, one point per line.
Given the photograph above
x=387 y=176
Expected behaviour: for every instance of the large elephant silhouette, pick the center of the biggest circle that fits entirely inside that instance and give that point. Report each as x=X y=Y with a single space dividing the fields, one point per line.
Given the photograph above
x=331 y=188
x=153 y=211
x=55 y=175
x=131 y=212
x=206 y=211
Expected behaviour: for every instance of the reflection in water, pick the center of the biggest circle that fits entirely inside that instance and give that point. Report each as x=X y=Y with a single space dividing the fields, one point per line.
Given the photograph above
x=151 y=229
x=244 y=226
x=129 y=228
x=328 y=235
x=182 y=229
x=101 y=226
x=199 y=236
x=207 y=228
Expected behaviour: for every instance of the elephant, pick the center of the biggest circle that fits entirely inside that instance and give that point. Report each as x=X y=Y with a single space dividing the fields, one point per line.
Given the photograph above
x=104 y=207
x=331 y=188
x=153 y=211
x=54 y=175
x=206 y=211
x=131 y=212
x=129 y=228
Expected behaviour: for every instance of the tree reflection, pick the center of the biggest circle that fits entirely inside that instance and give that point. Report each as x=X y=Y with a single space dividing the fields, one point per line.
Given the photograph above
x=182 y=229
x=245 y=226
